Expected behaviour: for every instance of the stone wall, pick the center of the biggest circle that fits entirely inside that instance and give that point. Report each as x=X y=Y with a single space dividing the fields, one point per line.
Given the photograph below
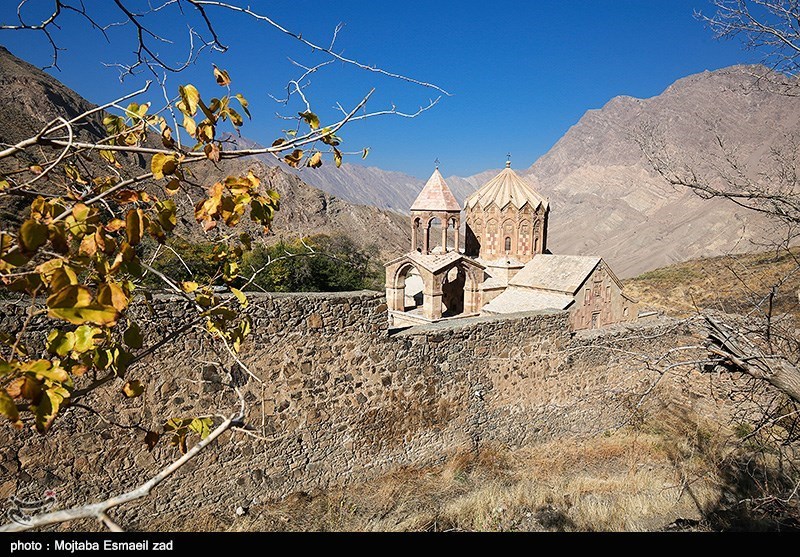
x=331 y=397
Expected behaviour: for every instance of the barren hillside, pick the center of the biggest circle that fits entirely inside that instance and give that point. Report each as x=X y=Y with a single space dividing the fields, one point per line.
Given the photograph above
x=31 y=98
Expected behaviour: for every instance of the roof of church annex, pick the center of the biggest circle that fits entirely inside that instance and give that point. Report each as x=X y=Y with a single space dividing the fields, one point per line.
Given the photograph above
x=557 y=273
x=436 y=196
x=507 y=187
x=434 y=262
x=516 y=299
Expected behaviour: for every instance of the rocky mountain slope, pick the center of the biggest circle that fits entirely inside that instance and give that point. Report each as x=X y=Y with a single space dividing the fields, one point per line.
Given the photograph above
x=607 y=199
x=31 y=98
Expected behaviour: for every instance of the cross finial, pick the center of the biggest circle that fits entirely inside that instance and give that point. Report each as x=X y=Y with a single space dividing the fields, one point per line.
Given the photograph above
x=436 y=162
x=508 y=160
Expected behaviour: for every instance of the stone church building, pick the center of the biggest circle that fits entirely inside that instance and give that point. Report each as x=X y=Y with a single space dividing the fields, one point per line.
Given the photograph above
x=505 y=266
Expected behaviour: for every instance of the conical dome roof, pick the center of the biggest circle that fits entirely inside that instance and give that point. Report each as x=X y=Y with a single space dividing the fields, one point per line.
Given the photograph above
x=436 y=196
x=507 y=187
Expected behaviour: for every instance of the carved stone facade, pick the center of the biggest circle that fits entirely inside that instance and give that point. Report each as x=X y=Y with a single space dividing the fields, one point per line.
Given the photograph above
x=506 y=219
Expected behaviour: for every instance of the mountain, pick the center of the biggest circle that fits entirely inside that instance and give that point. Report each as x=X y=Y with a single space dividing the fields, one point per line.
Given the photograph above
x=606 y=199
x=31 y=98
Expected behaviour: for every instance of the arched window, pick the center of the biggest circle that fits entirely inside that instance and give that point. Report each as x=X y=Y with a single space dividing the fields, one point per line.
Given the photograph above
x=508 y=243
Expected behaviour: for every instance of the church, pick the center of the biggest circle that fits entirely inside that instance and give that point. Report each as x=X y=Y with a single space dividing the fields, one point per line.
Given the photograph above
x=504 y=267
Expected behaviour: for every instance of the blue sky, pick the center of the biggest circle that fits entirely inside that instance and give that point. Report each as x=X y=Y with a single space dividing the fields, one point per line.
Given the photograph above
x=520 y=73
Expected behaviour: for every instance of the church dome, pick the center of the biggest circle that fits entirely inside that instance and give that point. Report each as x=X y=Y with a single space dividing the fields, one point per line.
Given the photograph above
x=507 y=187
x=436 y=196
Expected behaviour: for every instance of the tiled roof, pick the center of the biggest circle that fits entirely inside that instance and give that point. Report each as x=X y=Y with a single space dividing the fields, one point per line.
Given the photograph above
x=520 y=299
x=507 y=187
x=559 y=273
x=436 y=196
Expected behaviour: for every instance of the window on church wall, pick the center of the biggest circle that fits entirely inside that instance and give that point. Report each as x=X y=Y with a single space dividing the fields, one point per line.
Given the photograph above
x=608 y=293
x=508 y=244
x=587 y=297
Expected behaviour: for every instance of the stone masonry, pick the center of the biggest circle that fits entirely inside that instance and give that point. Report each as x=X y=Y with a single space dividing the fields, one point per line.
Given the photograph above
x=336 y=397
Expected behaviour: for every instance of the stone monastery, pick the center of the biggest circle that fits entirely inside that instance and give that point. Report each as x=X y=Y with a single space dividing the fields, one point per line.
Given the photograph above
x=505 y=266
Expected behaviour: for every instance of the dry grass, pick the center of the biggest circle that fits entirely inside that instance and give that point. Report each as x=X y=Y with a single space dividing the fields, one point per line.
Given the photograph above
x=730 y=283
x=629 y=480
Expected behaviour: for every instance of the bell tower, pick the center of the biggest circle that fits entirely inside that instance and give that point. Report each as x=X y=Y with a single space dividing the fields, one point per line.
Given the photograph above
x=435 y=208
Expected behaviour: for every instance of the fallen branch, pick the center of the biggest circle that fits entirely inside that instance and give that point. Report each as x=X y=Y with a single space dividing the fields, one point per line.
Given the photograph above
x=99 y=510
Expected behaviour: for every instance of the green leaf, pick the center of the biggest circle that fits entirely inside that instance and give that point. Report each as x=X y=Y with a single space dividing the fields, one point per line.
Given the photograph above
x=60 y=343
x=167 y=214
x=337 y=157
x=201 y=426
x=85 y=336
x=132 y=337
x=32 y=235
x=365 y=153
x=133 y=389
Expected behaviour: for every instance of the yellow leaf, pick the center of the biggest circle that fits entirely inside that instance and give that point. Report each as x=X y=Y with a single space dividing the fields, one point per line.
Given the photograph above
x=293 y=159
x=108 y=156
x=240 y=296
x=32 y=235
x=104 y=316
x=7 y=406
x=244 y=104
x=189 y=125
x=315 y=161
x=162 y=164
x=70 y=296
x=311 y=119
x=190 y=97
x=222 y=77
x=132 y=389
x=111 y=294
x=189 y=286
x=134 y=226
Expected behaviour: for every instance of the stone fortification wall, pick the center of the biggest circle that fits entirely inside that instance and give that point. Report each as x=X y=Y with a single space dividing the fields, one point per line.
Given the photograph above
x=333 y=397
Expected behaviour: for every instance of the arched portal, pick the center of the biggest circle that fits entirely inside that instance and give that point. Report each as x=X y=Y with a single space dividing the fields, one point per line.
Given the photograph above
x=405 y=291
x=453 y=292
